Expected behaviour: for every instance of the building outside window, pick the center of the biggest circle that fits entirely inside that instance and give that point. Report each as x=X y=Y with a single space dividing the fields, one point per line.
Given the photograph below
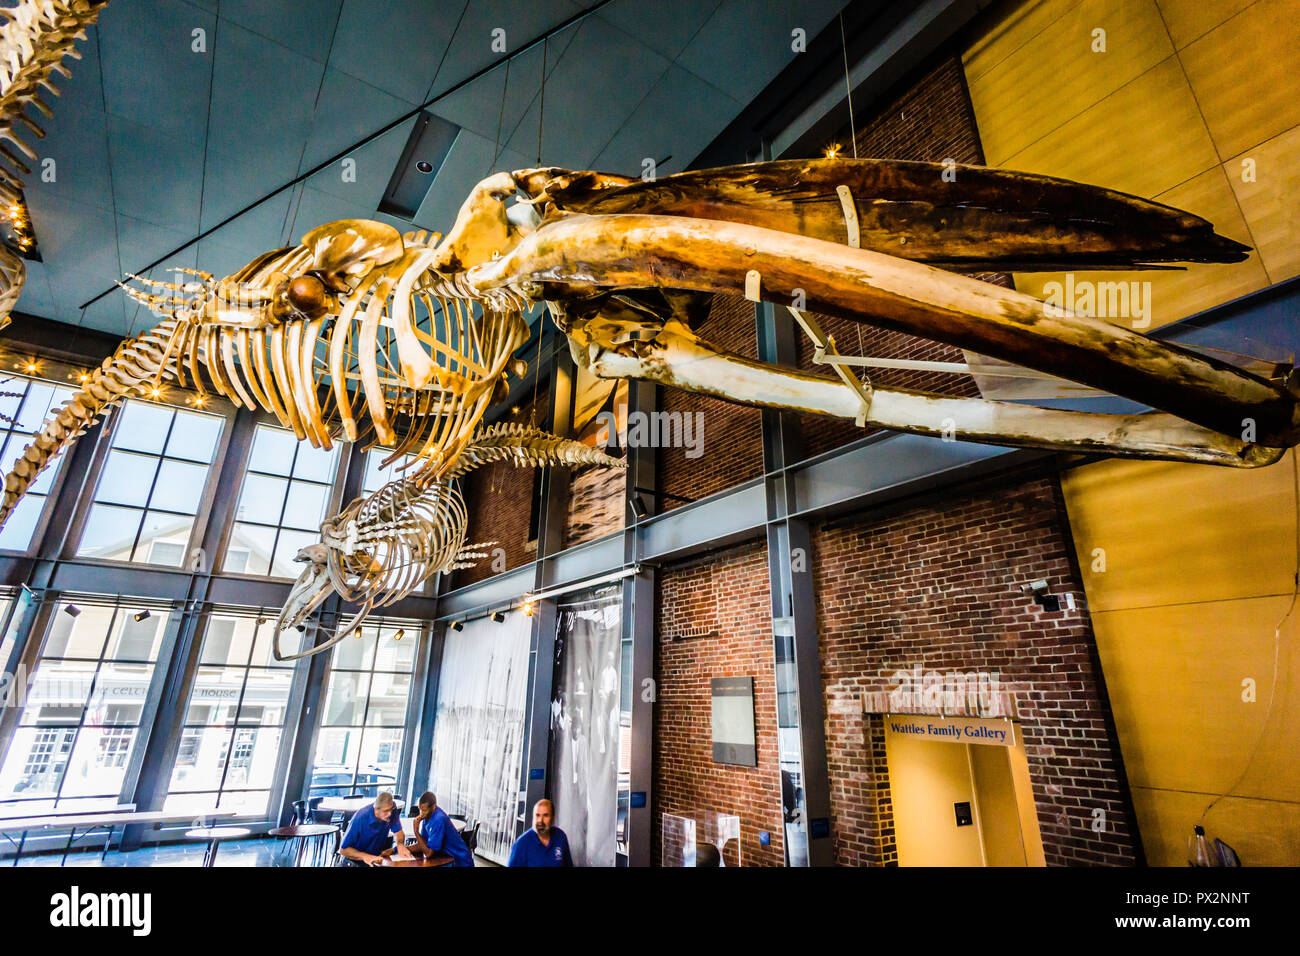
x=234 y=720
x=81 y=717
x=377 y=475
x=359 y=745
x=24 y=405
x=8 y=636
x=151 y=485
x=285 y=496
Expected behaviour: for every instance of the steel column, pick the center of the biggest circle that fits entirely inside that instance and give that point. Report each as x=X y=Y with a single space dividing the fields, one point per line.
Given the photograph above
x=796 y=660
x=639 y=597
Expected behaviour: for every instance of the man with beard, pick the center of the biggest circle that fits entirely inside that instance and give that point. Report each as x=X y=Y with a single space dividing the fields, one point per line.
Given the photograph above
x=544 y=844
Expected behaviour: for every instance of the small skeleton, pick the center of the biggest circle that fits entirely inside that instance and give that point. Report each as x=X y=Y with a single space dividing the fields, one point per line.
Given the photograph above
x=35 y=36
x=360 y=329
x=383 y=546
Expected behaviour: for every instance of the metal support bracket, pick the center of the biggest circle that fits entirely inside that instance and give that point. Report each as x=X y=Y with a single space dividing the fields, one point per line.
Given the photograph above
x=850 y=216
x=826 y=353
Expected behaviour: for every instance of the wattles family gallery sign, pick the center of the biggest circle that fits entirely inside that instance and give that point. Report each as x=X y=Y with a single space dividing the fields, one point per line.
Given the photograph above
x=954 y=730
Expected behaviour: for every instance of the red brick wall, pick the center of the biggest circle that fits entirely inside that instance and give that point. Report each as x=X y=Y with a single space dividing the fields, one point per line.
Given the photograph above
x=498 y=498
x=939 y=585
x=728 y=594
x=733 y=437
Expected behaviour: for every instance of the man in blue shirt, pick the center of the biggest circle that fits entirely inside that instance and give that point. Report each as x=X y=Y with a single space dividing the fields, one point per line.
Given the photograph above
x=436 y=835
x=543 y=845
x=370 y=834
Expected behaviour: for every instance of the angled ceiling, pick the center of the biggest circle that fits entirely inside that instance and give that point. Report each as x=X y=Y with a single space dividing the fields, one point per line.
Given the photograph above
x=155 y=143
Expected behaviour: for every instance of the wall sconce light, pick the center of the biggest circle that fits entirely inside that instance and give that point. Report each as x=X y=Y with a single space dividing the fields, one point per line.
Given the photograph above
x=638 y=505
x=498 y=616
x=458 y=625
x=72 y=610
x=527 y=608
x=141 y=616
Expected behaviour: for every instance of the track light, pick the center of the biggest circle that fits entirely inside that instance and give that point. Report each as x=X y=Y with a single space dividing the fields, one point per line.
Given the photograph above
x=261 y=621
x=303 y=627
x=498 y=616
x=72 y=610
x=638 y=505
x=141 y=616
x=458 y=625
x=398 y=635
x=527 y=608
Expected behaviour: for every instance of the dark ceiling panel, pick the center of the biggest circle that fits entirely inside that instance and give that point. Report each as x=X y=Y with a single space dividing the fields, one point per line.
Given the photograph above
x=666 y=26
x=304 y=27
x=679 y=113
x=348 y=111
x=598 y=82
x=77 y=140
x=747 y=42
x=154 y=172
x=471 y=51
x=394 y=44
x=362 y=183
x=151 y=74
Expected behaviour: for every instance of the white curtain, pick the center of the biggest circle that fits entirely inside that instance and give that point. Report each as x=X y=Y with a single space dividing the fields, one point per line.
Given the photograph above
x=479 y=728
x=585 y=728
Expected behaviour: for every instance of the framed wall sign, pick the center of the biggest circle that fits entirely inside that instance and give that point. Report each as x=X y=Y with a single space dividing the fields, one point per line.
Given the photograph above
x=733 y=721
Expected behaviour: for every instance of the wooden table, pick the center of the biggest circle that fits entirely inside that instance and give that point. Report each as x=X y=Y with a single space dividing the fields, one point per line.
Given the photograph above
x=307 y=834
x=214 y=836
x=91 y=821
x=419 y=861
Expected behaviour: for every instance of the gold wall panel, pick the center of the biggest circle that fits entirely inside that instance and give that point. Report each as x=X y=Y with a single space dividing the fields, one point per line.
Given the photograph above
x=1272 y=202
x=1190 y=20
x=1004 y=33
x=1055 y=76
x=1144 y=138
x=1174 y=673
x=1244 y=75
x=1182 y=534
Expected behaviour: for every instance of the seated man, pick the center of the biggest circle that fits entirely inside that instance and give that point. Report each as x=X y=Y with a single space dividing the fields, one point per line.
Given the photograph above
x=370 y=834
x=436 y=835
x=543 y=845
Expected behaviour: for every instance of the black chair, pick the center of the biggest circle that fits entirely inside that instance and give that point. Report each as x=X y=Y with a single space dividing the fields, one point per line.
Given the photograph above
x=304 y=811
x=470 y=835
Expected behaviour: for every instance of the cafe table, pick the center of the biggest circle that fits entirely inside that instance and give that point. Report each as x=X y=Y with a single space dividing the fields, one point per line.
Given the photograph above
x=313 y=841
x=214 y=836
x=419 y=861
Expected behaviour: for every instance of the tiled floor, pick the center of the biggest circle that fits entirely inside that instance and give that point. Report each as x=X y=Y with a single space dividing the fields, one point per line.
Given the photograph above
x=259 y=852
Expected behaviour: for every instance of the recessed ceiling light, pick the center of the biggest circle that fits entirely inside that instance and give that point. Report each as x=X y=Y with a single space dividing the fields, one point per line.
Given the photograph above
x=424 y=166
